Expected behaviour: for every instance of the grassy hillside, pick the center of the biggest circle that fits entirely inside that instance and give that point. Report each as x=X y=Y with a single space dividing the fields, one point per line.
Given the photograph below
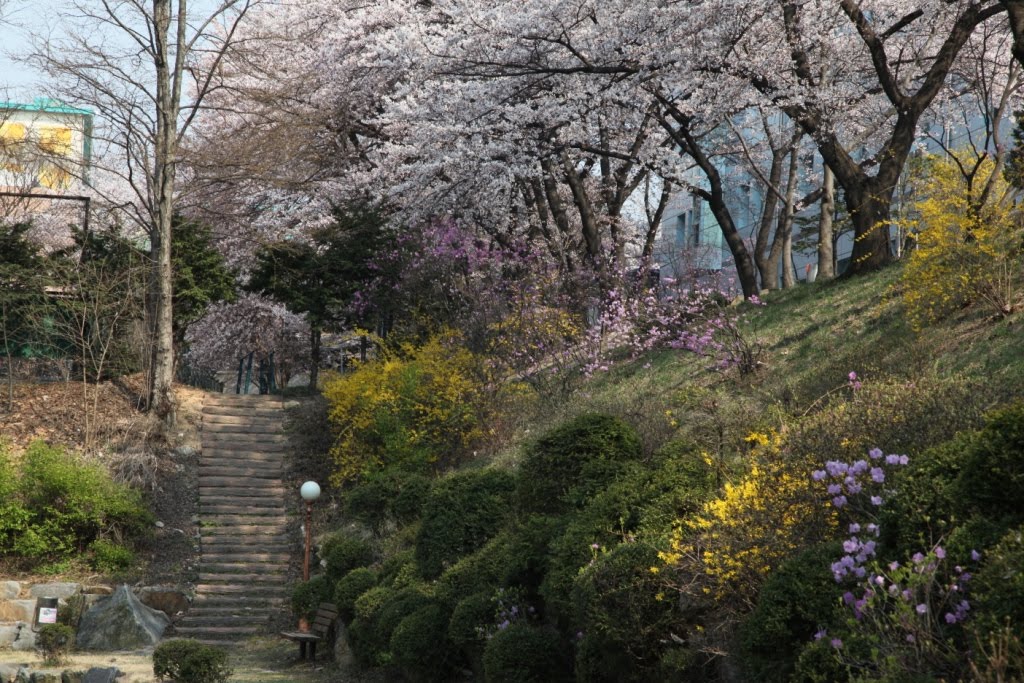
x=660 y=521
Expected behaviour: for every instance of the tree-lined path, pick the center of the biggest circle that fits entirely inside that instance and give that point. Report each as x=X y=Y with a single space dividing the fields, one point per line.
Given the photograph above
x=245 y=549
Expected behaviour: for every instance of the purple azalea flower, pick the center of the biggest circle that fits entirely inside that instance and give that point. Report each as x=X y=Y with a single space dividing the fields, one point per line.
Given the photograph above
x=875 y=453
x=921 y=608
x=876 y=500
x=855 y=528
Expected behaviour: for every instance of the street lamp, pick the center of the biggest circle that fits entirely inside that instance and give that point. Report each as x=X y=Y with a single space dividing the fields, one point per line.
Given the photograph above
x=310 y=491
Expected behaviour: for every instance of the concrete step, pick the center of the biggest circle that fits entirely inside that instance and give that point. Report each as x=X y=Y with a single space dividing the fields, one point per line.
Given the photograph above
x=210 y=509
x=215 y=633
x=253 y=441
x=234 y=482
x=253 y=429
x=258 y=523
x=251 y=471
x=253 y=567
x=269 y=418
x=215 y=556
x=236 y=601
x=232 y=410
x=264 y=579
x=245 y=589
x=228 y=487
x=241 y=455
x=204 y=619
x=214 y=443
x=268 y=532
x=255 y=609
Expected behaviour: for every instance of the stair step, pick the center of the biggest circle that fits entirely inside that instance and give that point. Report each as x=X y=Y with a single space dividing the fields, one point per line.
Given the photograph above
x=229 y=481
x=212 y=509
x=265 y=580
x=244 y=502
x=242 y=400
x=260 y=589
x=239 y=609
x=235 y=601
x=197 y=620
x=246 y=523
x=218 y=556
x=213 y=631
x=229 y=441
x=231 y=410
x=222 y=487
x=229 y=456
x=216 y=470
x=267 y=418
x=242 y=567
x=260 y=535
x=249 y=429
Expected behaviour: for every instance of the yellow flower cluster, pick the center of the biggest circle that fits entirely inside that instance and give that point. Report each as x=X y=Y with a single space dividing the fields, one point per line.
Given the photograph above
x=415 y=406
x=967 y=241
x=732 y=544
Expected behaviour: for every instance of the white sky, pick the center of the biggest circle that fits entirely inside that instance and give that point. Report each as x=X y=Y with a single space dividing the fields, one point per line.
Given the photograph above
x=16 y=81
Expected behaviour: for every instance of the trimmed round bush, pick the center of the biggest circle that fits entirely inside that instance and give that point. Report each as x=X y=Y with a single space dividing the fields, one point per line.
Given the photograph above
x=343 y=553
x=470 y=616
x=419 y=645
x=392 y=496
x=460 y=515
x=54 y=642
x=991 y=482
x=350 y=587
x=569 y=464
x=642 y=502
x=185 y=660
x=616 y=603
x=523 y=653
x=998 y=588
x=797 y=599
x=307 y=596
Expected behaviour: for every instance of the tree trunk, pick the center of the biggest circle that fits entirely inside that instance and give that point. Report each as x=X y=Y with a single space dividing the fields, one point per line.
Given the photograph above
x=869 y=212
x=784 y=235
x=168 y=98
x=766 y=265
x=588 y=221
x=1015 y=11
x=315 y=336
x=826 y=271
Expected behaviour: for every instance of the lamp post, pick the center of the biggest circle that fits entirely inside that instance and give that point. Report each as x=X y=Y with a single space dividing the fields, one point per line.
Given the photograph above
x=310 y=491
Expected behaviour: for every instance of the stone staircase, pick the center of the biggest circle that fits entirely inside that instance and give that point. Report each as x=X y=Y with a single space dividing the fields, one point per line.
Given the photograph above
x=245 y=548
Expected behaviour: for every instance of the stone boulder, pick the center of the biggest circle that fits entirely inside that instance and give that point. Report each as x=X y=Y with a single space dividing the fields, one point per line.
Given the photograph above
x=101 y=675
x=9 y=590
x=8 y=672
x=25 y=640
x=167 y=599
x=17 y=610
x=120 y=622
x=54 y=590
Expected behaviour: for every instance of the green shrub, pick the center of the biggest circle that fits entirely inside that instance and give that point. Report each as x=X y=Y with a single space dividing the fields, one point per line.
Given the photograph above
x=998 y=588
x=350 y=587
x=617 y=603
x=57 y=505
x=967 y=490
x=571 y=463
x=462 y=513
x=798 y=598
x=470 y=616
x=642 y=503
x=817 y=663
x=343 y=553
x=481 y=572
x=378 y=612
x=991 y=482
x=71 y=610
x=390 y=496
x=419 y=645
x=185 y=660
x=54 y=642
x=109 y=557
x=396 y=565
x=522 y=653
x=307 y=596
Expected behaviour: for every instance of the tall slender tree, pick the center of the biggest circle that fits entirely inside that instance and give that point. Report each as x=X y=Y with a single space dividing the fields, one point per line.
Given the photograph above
x=145 y=69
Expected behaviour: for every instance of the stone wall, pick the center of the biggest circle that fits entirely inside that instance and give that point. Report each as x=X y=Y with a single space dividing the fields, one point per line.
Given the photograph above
x=18 y=603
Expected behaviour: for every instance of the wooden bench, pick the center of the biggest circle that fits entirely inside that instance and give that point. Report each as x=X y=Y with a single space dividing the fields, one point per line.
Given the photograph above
x=320 y=628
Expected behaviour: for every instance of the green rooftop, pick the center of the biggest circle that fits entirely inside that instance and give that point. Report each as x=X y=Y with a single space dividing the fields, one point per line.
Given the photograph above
x=44 y=104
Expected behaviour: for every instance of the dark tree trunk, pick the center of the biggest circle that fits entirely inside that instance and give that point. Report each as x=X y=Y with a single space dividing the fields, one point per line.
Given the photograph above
x=826 y=254
x=315 y=335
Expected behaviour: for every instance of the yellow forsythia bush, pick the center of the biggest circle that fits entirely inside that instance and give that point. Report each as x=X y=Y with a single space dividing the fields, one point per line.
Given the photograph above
x=416 y=407
x=728 y=549
x=968 y=243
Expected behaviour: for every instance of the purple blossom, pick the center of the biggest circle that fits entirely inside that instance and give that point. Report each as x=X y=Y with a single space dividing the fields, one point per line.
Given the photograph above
x=818 y=475
x=875 y=453
x=854 y=528
x=877 y=475
x=839 y=501
x=950 y=618
x=837 y=643
x=975 y=555
x=876 y=500
x=921 y=608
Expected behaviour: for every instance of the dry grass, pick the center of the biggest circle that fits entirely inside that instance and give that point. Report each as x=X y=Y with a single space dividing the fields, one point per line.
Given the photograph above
x=261 y=660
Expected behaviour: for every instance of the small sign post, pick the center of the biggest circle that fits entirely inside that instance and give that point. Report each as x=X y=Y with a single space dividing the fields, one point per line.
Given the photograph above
x=46 y=612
